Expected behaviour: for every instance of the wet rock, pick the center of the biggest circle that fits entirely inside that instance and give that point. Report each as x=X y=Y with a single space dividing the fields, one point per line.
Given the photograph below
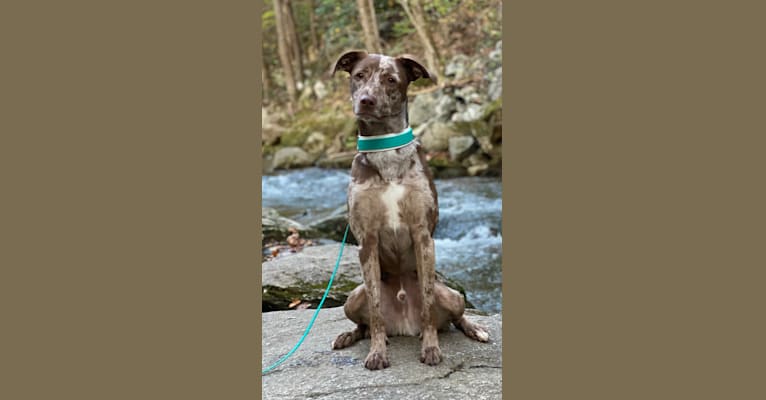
x=470 y=369
x=291 y=157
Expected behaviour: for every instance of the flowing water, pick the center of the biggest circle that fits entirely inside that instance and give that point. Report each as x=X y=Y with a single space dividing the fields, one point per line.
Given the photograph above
x=468 y=237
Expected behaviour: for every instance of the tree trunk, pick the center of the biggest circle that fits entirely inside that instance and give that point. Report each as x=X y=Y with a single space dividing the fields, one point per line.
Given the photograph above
x=414 y=10
x=285 y=54
x=369 y=26
x=295 y=44
x=313 y=38
x=266 y=80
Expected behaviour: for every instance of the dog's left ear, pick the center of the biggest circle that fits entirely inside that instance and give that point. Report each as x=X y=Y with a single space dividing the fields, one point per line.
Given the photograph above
x=414 y=69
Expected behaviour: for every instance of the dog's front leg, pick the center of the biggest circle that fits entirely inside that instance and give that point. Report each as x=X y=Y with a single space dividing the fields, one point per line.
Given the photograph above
x=368 y=255
x=426 y=265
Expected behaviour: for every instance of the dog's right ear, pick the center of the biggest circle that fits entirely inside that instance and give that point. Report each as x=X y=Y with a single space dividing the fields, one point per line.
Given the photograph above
x=347 y=61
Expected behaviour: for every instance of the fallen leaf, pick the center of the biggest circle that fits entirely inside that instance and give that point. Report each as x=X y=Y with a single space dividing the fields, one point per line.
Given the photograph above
x=303 y=306
x=294 y=303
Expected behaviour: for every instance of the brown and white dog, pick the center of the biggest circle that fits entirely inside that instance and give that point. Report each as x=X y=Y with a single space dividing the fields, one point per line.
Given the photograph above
x=393 y=212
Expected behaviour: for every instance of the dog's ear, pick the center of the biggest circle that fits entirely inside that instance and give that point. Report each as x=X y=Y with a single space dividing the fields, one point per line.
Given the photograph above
x=414 y=69
x=347 y=61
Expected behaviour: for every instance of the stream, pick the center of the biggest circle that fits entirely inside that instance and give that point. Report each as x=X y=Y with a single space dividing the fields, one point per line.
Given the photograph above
x=468 y=237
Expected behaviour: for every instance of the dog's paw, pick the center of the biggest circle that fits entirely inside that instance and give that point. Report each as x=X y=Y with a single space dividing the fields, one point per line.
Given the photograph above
x=472 y=330
x=343 y=340
x=480 y=333
x=431 y=355
x=376 y=360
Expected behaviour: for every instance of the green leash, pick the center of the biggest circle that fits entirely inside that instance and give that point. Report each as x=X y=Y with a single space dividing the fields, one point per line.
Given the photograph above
x=286 y=356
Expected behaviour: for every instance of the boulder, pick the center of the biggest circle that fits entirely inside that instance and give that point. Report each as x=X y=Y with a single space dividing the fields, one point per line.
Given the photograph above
x=468 y=112
x=470 y=369
x=434 y=106
x=304 y=276
x=435 y=136
x=456 y=68
x=445 y=106
x=291 y=157
x=461 y=146
x=315 y=144
x=421 y=109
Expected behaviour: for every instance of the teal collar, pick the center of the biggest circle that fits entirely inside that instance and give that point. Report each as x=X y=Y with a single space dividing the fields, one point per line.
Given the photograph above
x=366 y=144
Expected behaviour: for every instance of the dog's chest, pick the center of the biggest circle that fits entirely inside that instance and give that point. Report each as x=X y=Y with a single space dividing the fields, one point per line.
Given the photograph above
x=391 y=197
x=391 y=203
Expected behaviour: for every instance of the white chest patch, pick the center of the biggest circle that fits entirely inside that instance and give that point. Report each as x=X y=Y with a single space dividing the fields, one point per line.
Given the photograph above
x=391 y=198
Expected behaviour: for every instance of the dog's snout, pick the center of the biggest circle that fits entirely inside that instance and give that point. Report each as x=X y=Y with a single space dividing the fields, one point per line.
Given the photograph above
x=367 y=100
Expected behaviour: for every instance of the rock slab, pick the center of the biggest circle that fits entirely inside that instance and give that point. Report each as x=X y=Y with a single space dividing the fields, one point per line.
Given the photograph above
x=469 y=369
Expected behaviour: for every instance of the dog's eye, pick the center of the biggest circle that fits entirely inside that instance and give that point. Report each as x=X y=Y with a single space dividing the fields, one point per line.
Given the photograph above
x=391 y=80
x=360 y=75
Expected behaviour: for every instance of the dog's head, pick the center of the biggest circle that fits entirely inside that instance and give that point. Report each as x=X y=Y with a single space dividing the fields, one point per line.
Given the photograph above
x=379 y=83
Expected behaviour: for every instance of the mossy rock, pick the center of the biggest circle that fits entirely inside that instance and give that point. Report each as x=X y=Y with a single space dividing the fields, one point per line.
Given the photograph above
x=493 y=109
x=477 y=128
x=330 y=124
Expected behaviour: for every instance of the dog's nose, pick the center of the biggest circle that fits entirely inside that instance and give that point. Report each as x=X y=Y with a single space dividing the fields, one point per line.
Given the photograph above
x=368 y=101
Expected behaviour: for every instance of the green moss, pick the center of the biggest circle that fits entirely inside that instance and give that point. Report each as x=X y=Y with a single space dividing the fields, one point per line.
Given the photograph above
x=492 y=108
x=476 y=128
x=327 y=122
x=441 y=161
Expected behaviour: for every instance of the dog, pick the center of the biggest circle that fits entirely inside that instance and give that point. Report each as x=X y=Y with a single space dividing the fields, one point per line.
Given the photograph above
x=393 y=211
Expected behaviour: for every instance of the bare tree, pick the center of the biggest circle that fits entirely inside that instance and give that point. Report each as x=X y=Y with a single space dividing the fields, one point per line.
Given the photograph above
x=313 y=38
x=369 y=25
x=294 y=42
x=266 y=79
x=285 y=53
x=414 y=10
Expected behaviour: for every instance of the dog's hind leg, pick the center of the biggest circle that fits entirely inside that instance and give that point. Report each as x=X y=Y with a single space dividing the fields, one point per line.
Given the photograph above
x=450 y=306
x=356 y=310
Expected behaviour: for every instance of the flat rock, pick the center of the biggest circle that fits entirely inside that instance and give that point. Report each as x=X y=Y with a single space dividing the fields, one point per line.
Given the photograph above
x=469 y=369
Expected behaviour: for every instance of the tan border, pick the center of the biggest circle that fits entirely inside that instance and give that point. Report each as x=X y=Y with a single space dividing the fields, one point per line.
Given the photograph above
x=633 y=230
x=131 y=195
